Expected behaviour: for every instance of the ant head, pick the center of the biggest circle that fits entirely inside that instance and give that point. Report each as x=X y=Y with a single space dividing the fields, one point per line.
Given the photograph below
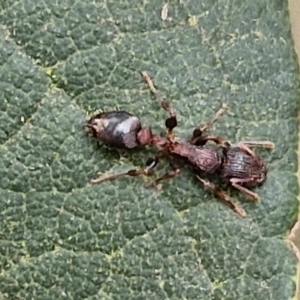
x=144 y=136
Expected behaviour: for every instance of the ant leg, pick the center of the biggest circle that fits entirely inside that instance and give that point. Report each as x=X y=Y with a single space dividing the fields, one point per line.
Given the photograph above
x=244 y=145
x=215 y=117
x=170 y=174
x=150 y=164
x=235 y=183
x=170 y=122
x=199 y=131
x=202 y=140
x=115 y=176
x=223 y=195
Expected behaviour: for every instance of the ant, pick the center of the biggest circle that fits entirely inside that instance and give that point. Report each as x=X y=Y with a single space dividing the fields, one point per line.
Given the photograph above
x=237 y=164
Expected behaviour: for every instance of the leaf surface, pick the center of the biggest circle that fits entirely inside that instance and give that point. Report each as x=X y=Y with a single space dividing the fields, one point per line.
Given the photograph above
x=61 y=238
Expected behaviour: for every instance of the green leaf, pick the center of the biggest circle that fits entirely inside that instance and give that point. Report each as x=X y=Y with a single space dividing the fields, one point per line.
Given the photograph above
x=61 y=238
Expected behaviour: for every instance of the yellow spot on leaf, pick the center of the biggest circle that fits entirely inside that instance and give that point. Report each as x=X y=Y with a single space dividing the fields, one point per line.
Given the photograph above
x=192 y=20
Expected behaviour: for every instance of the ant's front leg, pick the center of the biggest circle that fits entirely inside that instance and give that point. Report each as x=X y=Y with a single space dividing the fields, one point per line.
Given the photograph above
x=246 y=144
x=170 y=122
x=198 y=132
x=236 y=183
x=223 y=195
x=151 y=163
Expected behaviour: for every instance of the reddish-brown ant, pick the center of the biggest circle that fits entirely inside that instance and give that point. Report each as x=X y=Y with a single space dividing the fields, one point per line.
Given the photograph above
x=237 y=164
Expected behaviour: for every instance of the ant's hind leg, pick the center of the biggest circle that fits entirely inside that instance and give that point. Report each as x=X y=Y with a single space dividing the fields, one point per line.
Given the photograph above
x=107 y=177
x=150 y=164
x=170 y=174
x=223 y=195
x=199 y=131
x=171 y=122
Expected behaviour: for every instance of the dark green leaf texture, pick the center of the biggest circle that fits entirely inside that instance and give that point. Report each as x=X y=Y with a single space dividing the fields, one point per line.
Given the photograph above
x=61 y=238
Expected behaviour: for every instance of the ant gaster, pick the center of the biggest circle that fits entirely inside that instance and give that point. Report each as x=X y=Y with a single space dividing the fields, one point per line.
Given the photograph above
x=236 y=164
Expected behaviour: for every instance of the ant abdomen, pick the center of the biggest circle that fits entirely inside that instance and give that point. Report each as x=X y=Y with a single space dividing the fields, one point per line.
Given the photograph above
x=115 y=128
